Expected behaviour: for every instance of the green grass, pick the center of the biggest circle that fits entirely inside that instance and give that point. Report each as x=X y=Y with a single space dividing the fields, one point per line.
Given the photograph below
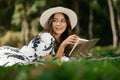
x=54 y=69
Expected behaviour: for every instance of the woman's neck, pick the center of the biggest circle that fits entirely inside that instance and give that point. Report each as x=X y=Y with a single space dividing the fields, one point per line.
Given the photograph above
x=57 y=37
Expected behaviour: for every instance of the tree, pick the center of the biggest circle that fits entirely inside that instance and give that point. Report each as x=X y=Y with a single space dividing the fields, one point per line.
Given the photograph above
x=90 y=24
x=76 y=9
x=112 y=20
x=118 y=17
x=26 y=16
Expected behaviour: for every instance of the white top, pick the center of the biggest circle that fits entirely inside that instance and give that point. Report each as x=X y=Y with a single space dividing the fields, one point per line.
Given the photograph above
x=41 y=45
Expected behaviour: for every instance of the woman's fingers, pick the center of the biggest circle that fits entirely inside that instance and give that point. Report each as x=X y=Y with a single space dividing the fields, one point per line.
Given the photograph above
x=71 y=39
x=74 y=38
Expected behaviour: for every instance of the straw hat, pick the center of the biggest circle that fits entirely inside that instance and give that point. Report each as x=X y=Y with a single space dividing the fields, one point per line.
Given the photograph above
x=70 y=13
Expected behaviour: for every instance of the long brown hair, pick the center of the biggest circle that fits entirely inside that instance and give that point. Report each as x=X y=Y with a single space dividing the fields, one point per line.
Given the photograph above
x=48 y=28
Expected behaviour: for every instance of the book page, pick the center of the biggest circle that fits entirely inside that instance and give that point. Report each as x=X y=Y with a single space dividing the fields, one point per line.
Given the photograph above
x=80 y=40
x=83 y=46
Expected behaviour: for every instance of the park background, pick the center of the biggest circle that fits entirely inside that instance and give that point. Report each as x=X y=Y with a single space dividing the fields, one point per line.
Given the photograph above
x=19 y=23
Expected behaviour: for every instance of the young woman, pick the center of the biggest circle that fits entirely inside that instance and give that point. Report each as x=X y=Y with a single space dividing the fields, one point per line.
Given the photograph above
x=58 y=23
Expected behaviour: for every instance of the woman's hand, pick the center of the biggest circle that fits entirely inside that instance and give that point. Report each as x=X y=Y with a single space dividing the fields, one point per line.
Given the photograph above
x=47 y=56
x=70 y=40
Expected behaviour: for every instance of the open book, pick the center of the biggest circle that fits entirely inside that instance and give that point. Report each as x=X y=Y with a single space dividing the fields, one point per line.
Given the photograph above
x=82 y=47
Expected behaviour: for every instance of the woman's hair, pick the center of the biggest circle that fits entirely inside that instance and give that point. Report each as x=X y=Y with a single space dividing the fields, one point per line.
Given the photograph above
x=65 y=34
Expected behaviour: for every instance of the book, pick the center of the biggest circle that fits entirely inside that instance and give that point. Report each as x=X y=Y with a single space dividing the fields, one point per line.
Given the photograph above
x=82 y=47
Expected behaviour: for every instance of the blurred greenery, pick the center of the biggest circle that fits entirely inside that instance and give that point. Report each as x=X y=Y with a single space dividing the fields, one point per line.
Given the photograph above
x=13 y=13
x=72 y=70
x=91 y=68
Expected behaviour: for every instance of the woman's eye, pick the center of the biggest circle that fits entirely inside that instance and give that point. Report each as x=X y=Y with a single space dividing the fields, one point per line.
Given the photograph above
x=63 y=21
x=54 y=20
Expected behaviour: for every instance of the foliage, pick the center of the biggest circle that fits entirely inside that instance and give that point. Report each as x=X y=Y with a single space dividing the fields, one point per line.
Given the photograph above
x=106 y=51
x=72 y=70
x=12 y=14
x=54 y=69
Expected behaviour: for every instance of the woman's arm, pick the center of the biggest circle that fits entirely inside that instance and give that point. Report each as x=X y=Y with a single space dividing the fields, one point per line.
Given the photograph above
x=47 y=56
x=70 y=40
x=60 y=51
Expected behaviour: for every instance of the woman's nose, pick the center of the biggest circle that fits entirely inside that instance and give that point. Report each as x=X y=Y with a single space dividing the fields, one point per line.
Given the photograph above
x=58 y=23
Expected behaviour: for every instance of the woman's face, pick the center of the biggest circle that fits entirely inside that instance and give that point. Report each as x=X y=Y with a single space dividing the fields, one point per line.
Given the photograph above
x=59 y=24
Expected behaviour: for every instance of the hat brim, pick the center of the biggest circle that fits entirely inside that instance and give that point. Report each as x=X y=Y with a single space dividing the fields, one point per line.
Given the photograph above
x=46 y=15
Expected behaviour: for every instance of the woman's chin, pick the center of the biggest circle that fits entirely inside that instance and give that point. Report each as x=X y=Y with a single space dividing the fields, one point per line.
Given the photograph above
x=59 y=33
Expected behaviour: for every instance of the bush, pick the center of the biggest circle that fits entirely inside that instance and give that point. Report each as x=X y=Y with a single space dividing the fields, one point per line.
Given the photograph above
x=71 y=70
x=89 y=68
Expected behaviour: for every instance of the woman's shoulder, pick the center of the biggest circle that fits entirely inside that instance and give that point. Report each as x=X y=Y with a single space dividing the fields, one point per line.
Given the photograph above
x=45 y=36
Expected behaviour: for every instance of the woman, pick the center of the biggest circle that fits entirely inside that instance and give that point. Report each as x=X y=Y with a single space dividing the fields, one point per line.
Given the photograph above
x=58 y=23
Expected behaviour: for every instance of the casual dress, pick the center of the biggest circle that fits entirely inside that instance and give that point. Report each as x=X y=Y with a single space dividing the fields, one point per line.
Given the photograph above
x=41 y=45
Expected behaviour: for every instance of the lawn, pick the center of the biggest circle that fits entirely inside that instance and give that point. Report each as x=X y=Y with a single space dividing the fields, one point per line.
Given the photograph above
x=104 y=64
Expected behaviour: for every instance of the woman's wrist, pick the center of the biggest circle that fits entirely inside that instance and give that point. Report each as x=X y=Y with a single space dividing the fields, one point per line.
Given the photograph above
x=63 y=45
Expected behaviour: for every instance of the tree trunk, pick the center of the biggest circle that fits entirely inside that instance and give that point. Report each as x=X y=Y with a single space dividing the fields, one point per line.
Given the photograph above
x=90 y=24
x=25 y=28
x=24 y=32
x=118 y=18
x=112 y=20
x=76 y=9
